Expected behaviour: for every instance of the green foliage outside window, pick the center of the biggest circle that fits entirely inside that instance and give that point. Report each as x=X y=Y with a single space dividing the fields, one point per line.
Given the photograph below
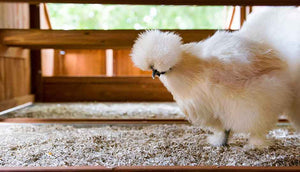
x=95 y=16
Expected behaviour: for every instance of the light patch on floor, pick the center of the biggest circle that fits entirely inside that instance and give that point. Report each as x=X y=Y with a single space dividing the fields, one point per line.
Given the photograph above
x=99 y=110
x=115 y=145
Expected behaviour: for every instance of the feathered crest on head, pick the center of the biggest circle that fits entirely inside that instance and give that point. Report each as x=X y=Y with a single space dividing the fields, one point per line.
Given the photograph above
x=156 y=48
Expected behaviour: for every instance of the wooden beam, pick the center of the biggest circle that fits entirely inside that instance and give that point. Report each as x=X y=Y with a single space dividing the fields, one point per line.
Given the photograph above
x=84 y=39
x=35 y=56
x=76 y=89
x=100 y=121
x=157 y=168
x=7 y=104
x=243 y=15
x=172 y=2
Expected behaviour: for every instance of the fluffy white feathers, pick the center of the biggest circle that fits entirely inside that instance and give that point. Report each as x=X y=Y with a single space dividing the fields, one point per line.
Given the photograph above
x=158 y=49
x=238 y=81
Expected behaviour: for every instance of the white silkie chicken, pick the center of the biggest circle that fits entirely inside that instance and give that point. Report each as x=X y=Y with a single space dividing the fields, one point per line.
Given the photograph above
x=233 y=81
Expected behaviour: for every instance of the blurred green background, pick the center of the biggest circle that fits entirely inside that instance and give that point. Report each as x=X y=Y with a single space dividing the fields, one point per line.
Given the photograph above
x=95 y=16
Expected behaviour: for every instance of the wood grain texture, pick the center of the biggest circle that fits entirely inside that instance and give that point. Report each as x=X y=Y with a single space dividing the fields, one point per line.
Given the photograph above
x=170 y=2
x=2 y=80
x=15 y=79
x=36 y=56
x=75 y=89
x=14 y=62
x=80 y=63
x=14 y=16
x=94 y=121
x=123 y=65
x=84 y=39
x=16 y=101
x=243 y=15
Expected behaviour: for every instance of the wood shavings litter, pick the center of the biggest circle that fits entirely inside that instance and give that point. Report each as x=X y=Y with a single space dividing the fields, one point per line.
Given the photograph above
x=141 y=145
x=99 y=110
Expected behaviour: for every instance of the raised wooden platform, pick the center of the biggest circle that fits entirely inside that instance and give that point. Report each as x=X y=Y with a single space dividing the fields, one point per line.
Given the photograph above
x=80 y=89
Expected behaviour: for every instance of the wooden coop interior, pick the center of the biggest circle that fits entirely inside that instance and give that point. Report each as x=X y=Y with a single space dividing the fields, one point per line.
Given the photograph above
x=35 y=66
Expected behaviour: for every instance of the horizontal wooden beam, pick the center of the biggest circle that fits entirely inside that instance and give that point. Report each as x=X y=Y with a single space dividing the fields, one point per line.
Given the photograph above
x=158 y=168
x=101 y=121
x=84 y=39
x=171 y=2
x=76 y=89
x=7 y=104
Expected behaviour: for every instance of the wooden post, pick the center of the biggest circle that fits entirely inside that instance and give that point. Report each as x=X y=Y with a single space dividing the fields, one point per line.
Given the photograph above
x=35 y=56
x=243 y=15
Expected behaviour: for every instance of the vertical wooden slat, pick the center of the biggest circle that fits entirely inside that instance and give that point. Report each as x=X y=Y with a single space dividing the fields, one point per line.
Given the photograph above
x=57 y=69
x=1 y=15
x=8 y=80
x=26 y=71
x=109 y=62
x=15 y=79
x=2 y=74
x=36 y=74
x=46 y=14
x=47 y=62
x=35 y=56
x=232 y=18
x=243 y=14
x=4 y=14
x=22 y=76
x=250 y=9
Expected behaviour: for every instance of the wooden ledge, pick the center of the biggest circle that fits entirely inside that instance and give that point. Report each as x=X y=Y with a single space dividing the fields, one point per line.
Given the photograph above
x=101 y=121
x=84 y=39
x=104 y=89
x=7 y=104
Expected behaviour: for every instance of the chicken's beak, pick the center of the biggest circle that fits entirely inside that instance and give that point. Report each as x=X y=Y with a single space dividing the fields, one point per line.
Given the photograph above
x=155 y=72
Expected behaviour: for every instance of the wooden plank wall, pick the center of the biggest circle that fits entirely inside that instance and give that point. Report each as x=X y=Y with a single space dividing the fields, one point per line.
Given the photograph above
x=72 y=89
x=93 y=63
x=80 y=63
x=14 y=62
x=123 y=65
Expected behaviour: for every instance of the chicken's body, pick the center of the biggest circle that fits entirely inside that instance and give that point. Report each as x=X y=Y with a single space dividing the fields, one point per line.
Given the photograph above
x=226 y=82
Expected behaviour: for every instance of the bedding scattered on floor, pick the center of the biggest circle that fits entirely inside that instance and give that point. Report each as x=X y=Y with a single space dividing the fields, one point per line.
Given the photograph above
x=99 y=110
x=60 y=145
